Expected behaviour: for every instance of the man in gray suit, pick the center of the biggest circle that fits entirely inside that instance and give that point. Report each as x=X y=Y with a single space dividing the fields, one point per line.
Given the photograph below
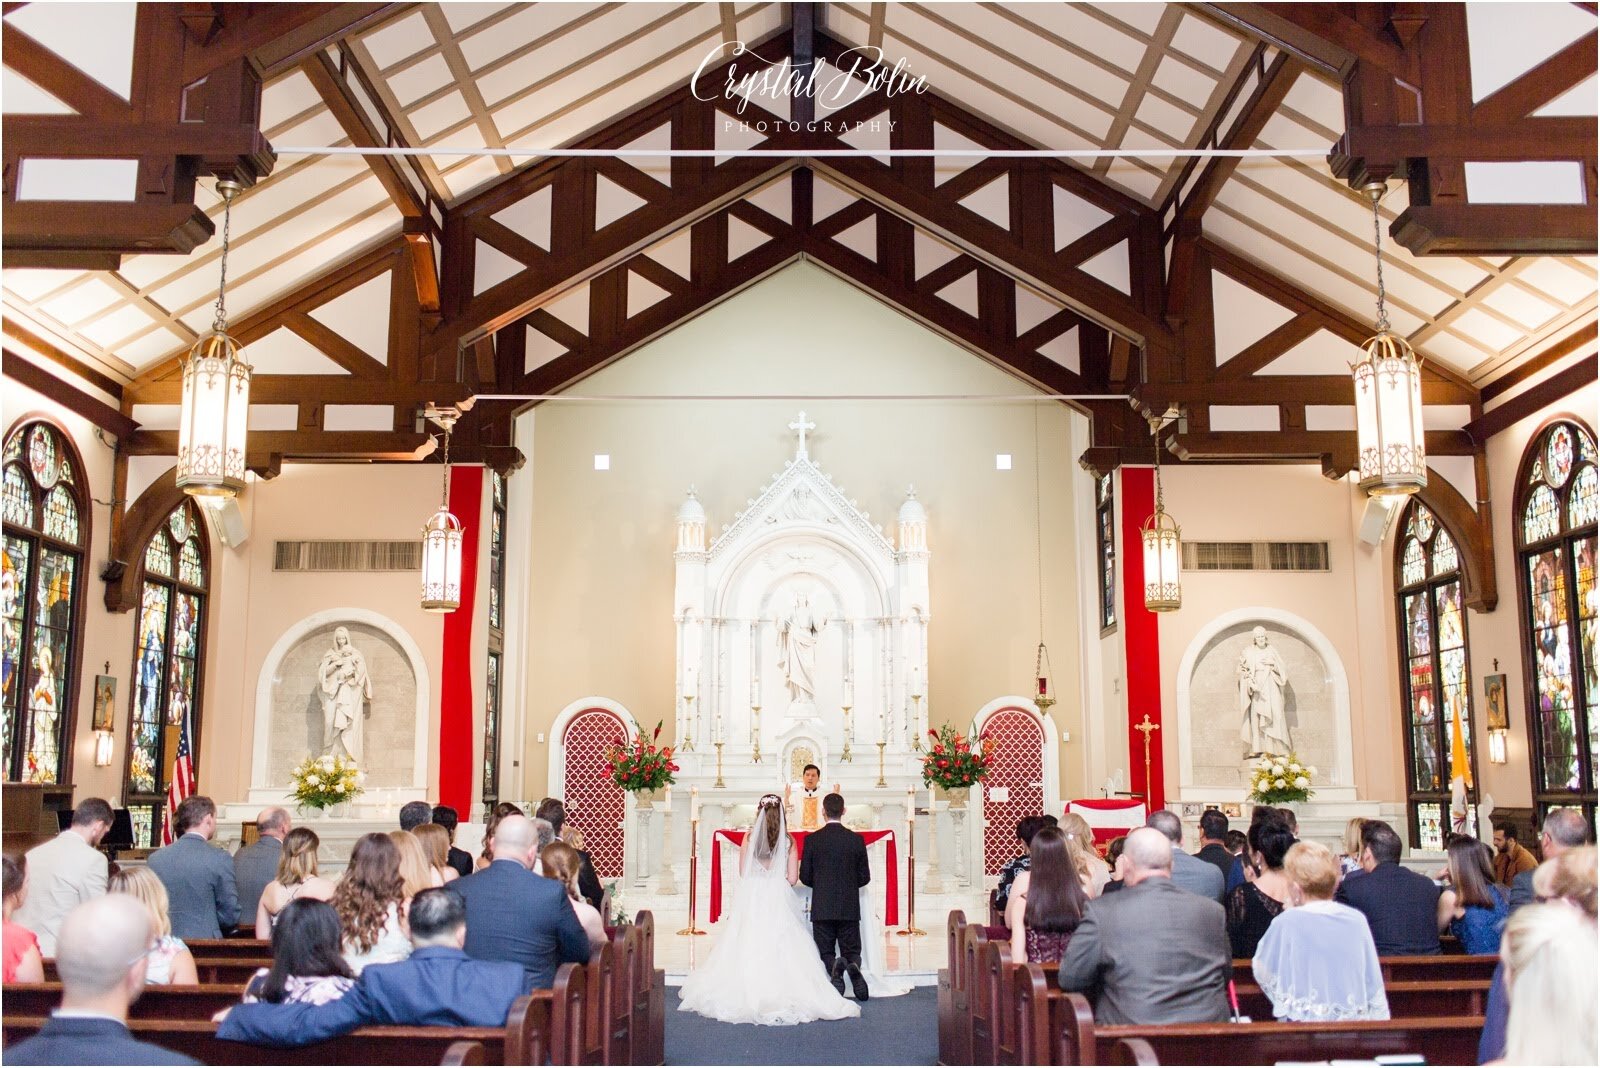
x=1564 y=829
x=202 y=896
x=256 y=864
x=1188 y=873
x=1156 y=953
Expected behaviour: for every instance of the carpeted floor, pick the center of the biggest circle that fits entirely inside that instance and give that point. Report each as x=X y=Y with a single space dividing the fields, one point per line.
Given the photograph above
x=900 y=1030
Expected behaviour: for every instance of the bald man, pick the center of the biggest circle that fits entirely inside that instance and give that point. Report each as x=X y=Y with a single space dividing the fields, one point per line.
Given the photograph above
x=101 y=954
x=1157 y=954
x=515 y=915
x=256 y=864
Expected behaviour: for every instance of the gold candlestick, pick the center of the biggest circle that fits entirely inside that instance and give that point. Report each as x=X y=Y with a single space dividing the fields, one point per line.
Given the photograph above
x=849 y=736
x=916 y=726
x=911 y=930
x=688 y=720
x=694 y=873
x=882 y=782
x=755 y=734
x=719 y=784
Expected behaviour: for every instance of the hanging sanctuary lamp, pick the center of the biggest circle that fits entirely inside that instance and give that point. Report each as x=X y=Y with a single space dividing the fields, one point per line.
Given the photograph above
x=1163 y=553
x=441 y=537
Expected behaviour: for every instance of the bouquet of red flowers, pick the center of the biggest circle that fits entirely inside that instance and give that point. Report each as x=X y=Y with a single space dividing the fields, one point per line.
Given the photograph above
x=642 y=765
x=953 y=762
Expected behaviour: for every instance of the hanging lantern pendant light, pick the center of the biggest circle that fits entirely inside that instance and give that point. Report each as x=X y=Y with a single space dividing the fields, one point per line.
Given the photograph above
x=1163 y=547
x=441 y=537
x=1391 y=459
x=215 y=412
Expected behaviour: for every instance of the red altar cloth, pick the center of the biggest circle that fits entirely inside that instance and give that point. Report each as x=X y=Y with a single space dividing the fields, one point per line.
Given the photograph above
x=1108 y=817
x=891 y=880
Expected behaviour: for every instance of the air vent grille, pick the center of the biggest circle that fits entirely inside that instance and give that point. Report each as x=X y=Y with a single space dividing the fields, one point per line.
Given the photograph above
x=347 y=556
x=1255 y=556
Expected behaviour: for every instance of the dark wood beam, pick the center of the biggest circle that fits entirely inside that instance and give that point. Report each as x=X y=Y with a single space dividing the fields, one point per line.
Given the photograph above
x=803 y=24
x=1531 y=401
x=278 y=37
x=302 y=444
x=57 y=355
x=1529 y=366
x=1456 y=229
x=1518 y=100
x=62 y=80
x=29 y=374
x=335 y=91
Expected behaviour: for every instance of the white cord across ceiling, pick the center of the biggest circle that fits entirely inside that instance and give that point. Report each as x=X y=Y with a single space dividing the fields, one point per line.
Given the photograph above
x=824 y=153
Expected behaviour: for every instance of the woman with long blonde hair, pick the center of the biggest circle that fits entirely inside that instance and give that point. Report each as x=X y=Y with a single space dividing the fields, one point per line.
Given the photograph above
x=1094 y=871
x=1550 y=971
x=416 y=873
x=170 y=962
x=435 y=842
x=297 y=878
x=370 y=901
x=560 y=862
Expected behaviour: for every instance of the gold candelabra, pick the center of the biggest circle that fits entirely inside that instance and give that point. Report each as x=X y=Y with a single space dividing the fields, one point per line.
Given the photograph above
x=755 y=734
x=694 y=872
x=688 y=719
x=916 y=722
x=882 y=782
x=849 y=735
x=719 y=784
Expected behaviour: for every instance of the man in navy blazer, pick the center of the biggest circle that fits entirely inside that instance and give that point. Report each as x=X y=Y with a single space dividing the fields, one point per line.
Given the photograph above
x=1401 y=906
x=101 y=953
x=437 y=986
x=202 y=893
x=515 y=915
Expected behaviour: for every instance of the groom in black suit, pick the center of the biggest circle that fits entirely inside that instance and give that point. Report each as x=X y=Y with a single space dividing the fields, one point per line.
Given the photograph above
x=834 y=865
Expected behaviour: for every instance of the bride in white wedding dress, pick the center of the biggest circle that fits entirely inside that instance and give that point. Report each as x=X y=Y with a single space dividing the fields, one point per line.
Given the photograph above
x=764 y=968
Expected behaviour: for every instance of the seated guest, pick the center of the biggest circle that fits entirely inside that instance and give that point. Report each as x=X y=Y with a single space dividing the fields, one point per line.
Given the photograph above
x=1317 y=961
x=1244 y=868
x=1188 y=873
x=560 y=863
x=1350 y=860
x=416 y=874
x=501 y=811
x=1153 y=954
x=297 y=879
x=1253 y=906
x=414 y=814
x=65 y=872
x=370 y=901
x=1510 y=858
x=101 y=955
x=170 y=960
x=1550 y=975
x=553 y=810
x=438 y=985
x=1213 y=842
x=460 y=859
x=256 y=865
x=1027 y=827
x=307 y=961
x=23 y=964
x=1564 y=829
x=1237 y=842
x=1401 y=906
x=1097 y=871
x=514 y=915
x=1047 y=901
x=1114 y=850
x=543 y=834
x=198 y=876
x=1473 y=909
x=435 y=843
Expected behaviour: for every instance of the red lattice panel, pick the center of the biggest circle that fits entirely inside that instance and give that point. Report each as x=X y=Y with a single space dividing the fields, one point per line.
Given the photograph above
x=594 y=802
x=1019 y=766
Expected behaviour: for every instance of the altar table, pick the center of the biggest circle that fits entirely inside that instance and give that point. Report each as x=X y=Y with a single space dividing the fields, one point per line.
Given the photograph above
x=891 y=880
x=1109 y=817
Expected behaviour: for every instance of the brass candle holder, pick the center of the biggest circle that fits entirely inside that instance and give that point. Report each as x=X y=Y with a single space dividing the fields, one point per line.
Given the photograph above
x=882 y=782
x=694 y=874
x=689 y=721
x=719 y=784
x=849 y=736
x=755 y=734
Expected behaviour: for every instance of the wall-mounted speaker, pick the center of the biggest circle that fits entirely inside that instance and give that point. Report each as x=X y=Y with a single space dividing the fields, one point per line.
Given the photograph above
x=1377 y=518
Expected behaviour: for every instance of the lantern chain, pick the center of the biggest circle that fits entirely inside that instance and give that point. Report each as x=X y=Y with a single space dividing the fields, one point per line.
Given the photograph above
x=229 y=190
x=444 y=474
x=1038 y=522
x=1376 y=191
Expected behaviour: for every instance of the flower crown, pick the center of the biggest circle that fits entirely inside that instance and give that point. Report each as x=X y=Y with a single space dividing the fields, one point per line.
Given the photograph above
x=769 y=801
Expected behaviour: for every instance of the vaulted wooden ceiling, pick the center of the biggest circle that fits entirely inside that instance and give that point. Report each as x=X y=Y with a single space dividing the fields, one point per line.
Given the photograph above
x=368 y=287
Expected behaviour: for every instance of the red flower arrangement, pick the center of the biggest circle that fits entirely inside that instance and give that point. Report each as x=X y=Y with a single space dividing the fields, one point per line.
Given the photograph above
x=642 y=765
x=953 y=762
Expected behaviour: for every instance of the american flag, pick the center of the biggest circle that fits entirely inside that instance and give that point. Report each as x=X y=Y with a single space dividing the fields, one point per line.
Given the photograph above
x=182 y=784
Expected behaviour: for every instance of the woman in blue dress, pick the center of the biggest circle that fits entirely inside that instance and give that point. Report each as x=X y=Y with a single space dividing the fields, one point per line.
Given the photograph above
x=1474 y=909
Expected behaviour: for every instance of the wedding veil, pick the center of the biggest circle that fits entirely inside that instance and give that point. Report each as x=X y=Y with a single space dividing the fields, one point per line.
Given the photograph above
x=766 y=848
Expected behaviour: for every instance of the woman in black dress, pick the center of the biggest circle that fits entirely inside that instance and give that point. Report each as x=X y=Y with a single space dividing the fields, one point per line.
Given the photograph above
x=1254 y=905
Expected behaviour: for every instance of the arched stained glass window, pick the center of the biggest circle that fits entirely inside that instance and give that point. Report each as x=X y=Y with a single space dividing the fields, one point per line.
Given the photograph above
x=490 y=786
x=1555 y=525
x=1436 y=678
x=46 y=531
x=167 y=661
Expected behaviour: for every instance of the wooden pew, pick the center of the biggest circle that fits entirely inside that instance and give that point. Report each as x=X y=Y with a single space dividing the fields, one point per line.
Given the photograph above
x=156 y=1003
x=209 y=971
x=951 y=996
x=463 y=1053
x=230 y=948
x=1435 y=969
x=1407 y=999
x=652 y=991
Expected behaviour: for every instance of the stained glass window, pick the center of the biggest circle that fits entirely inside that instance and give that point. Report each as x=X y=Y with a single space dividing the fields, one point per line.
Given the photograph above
x=491 y=733
x=1436 y=685
x=498 y=492
x=40 y=576
x=1106 y=539
x=166 y=665
x=1556 y=550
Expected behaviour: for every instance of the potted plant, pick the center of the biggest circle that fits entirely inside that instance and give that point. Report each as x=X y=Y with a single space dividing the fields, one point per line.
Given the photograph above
x=953 y=763
x=1277 y=780
x=326 y=783
x=642 y=767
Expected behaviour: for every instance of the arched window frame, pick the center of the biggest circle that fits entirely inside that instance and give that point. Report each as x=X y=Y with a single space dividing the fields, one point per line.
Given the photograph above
x=34 y=536
x=1562 y=551
x=1105 y=526
x=1435 y=667
x=166 y=582
x=494 y=669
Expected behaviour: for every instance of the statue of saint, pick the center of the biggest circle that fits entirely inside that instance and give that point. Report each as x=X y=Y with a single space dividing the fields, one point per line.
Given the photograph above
x=345 y=689
x=1262 y=674
x=797 y=650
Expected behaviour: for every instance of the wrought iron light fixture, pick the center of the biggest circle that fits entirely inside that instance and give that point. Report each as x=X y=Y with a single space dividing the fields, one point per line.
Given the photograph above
x=1163 y=546
x=1391 y=461
x=215 y=412
x=441 y=537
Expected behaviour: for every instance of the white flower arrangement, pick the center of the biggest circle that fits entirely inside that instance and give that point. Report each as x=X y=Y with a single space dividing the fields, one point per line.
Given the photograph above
x=1274 y=780
x=322 y=781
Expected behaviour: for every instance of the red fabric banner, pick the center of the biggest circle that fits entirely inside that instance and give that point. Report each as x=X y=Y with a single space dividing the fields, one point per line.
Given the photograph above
x=456 y=731
x=891 y=879
x=1141 y=639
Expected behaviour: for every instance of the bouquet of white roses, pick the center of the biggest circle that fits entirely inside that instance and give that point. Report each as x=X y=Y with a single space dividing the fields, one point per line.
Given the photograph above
x=1276 y=779
x=323 y=781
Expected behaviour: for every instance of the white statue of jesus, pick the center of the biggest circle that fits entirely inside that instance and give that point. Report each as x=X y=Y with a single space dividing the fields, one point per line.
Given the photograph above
x=797 y=650
x=345 y=688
